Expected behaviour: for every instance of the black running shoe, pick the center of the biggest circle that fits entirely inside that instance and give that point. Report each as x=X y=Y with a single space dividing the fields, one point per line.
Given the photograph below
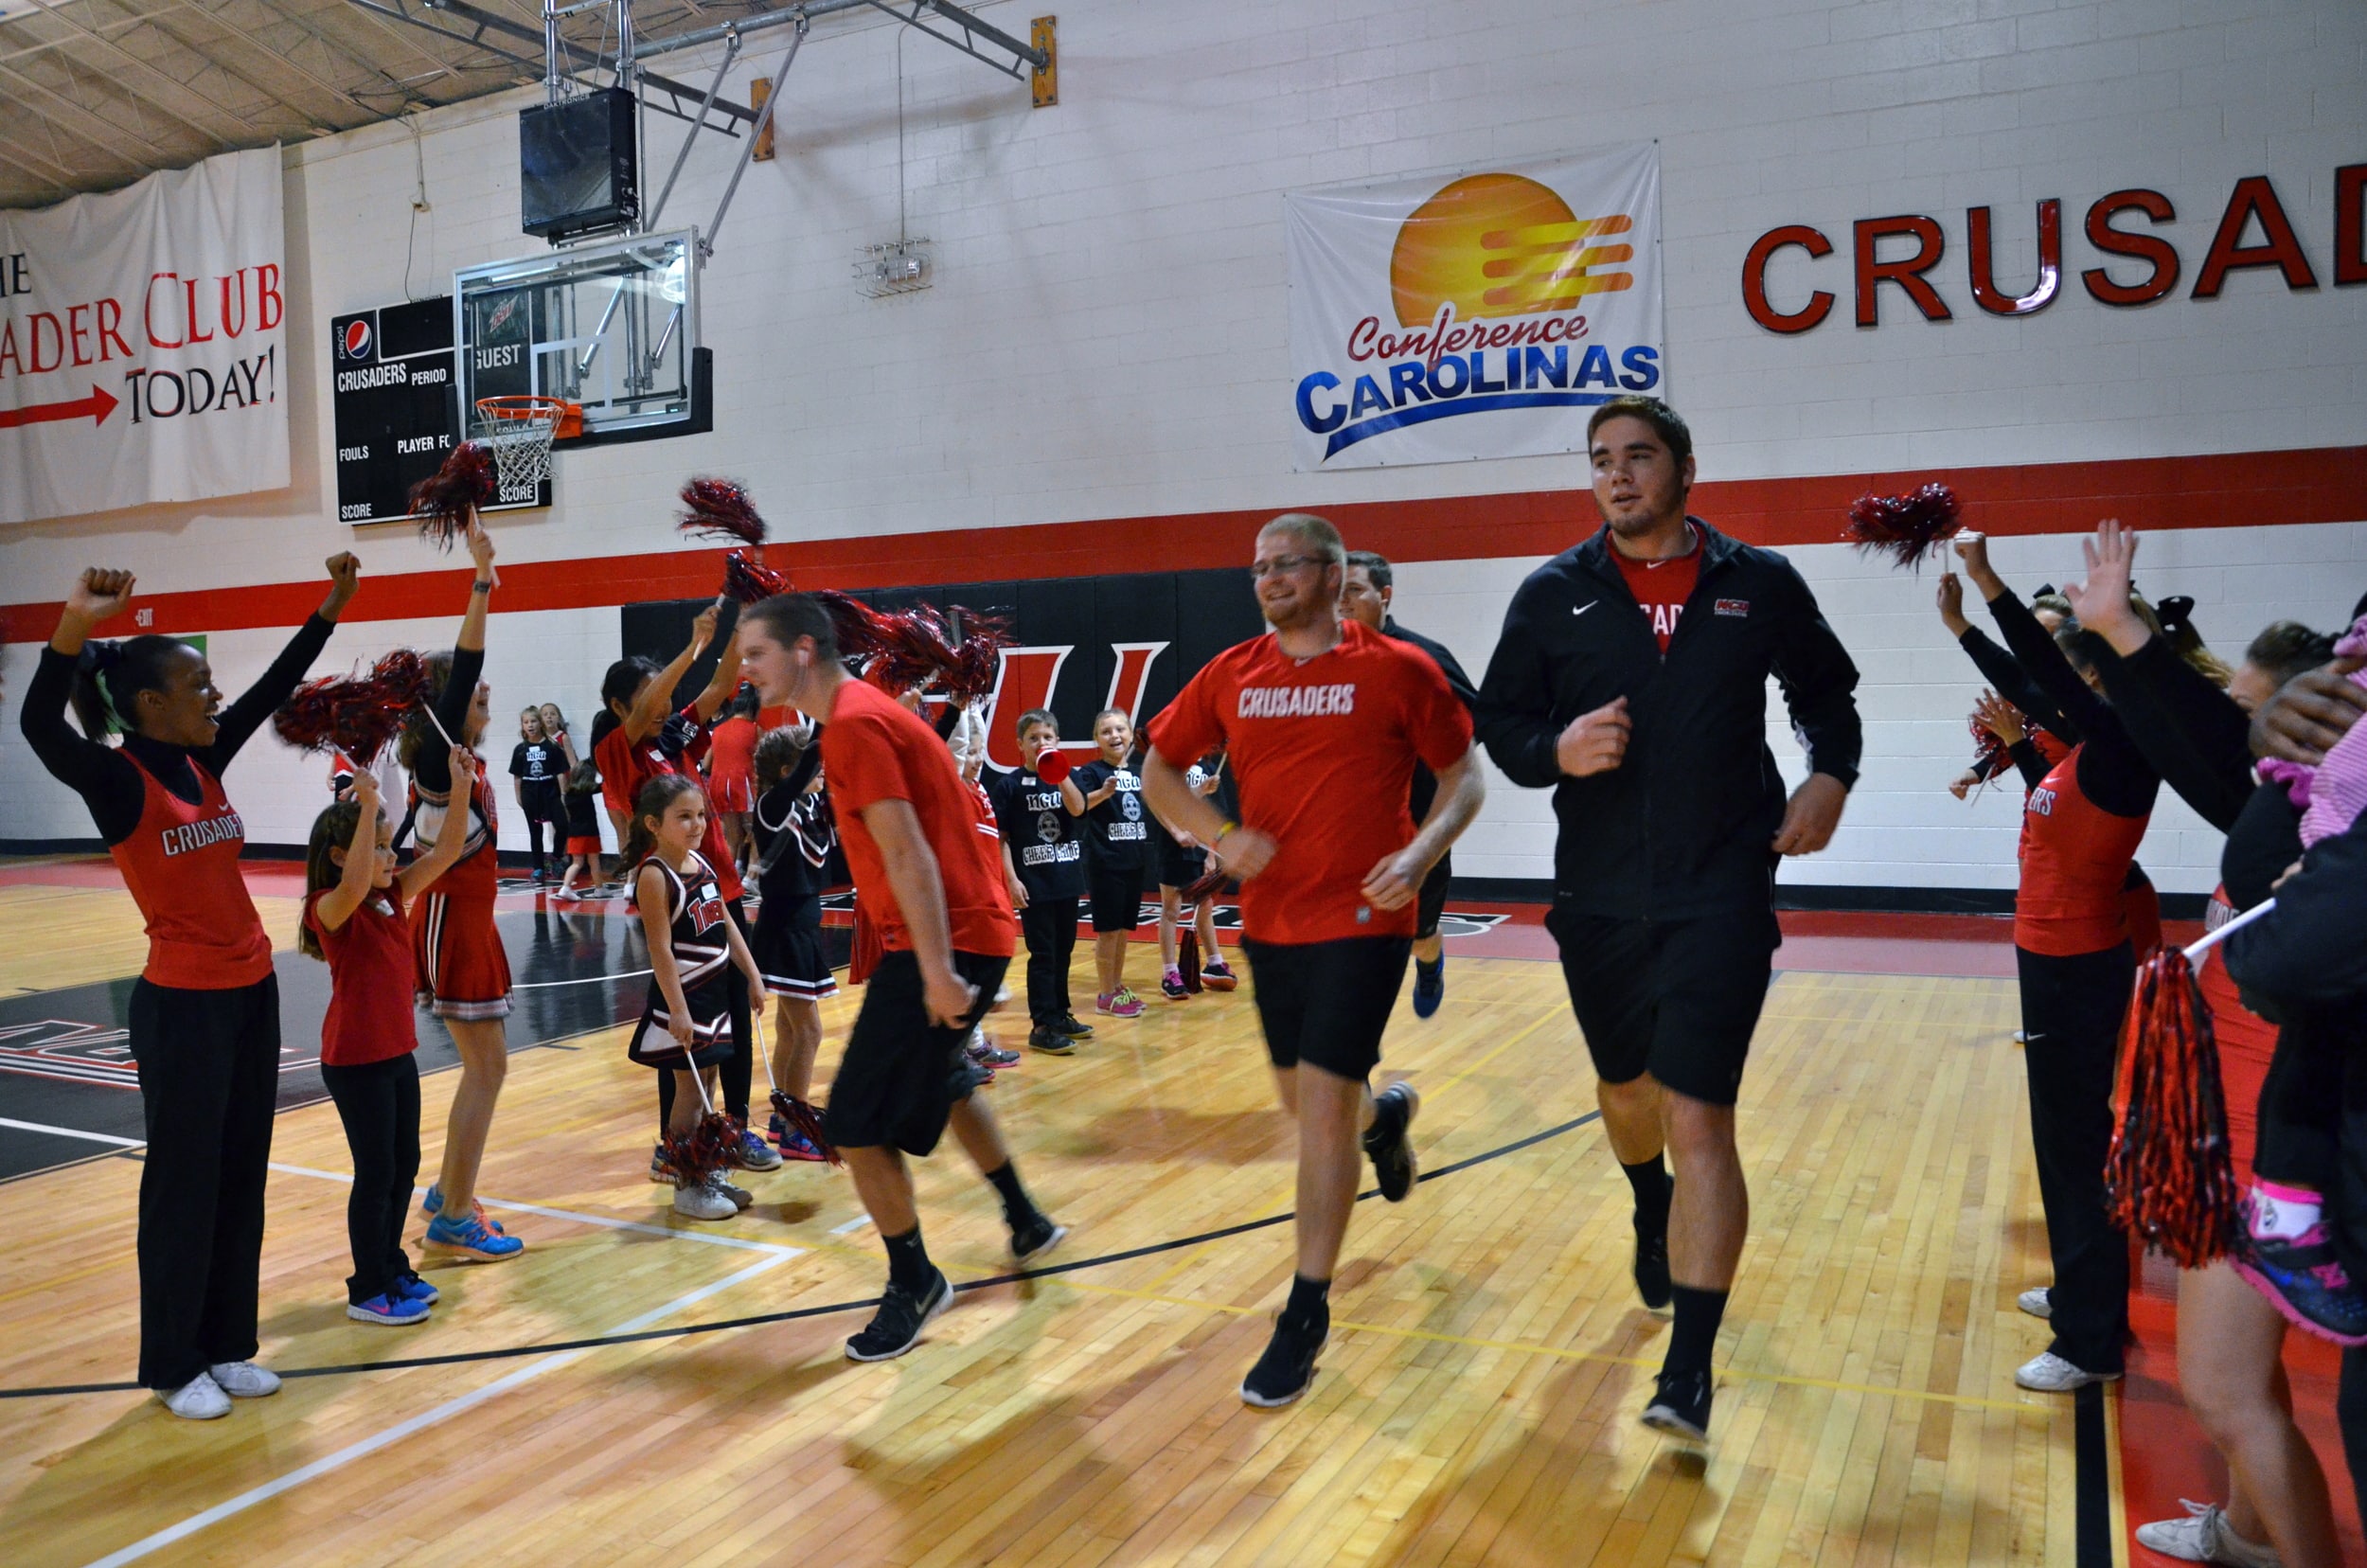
x=1035 y=1235
x=895 y=1328
x=1284 y=1372
x=1050 y=1041
x=1387 y=1143
x=1073 y=1026
x=1651 y=1269
x=1681 y=1406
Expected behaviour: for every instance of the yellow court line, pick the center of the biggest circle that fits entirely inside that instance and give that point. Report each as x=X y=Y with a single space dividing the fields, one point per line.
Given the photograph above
x=1551 y=1013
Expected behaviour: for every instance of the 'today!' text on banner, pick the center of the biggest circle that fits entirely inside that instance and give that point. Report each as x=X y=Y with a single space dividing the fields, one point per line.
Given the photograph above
x=143 y=343
x=1437 y=319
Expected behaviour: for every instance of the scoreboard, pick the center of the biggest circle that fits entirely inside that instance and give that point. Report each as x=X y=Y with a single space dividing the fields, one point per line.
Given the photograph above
x=397 y=406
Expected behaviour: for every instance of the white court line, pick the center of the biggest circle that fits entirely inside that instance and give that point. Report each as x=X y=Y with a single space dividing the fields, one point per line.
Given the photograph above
x=858 y=1222
x=72 y=1132
x=420 y=1422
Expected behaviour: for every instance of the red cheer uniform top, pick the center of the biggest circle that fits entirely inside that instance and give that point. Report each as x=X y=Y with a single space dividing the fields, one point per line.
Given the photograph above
x=1323 y=750
x=369 y=980
x=625 y=766
x=477 y=873
x=875 y=749
x=181 y=865
x=2074 y=869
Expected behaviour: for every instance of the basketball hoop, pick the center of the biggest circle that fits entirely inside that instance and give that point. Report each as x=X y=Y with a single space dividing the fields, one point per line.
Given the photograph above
x=520 y=433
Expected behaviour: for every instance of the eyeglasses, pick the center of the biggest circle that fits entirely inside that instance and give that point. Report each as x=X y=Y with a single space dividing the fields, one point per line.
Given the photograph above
x=1261 y=570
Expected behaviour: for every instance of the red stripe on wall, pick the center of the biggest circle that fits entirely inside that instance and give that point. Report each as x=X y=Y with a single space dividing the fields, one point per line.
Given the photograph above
x=2319 y=485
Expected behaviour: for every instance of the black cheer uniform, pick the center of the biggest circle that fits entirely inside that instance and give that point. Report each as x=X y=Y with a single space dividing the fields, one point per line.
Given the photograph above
x=699 y=935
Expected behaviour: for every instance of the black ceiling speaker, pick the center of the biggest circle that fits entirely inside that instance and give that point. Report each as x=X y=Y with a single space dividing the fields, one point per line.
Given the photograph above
x=578 y=164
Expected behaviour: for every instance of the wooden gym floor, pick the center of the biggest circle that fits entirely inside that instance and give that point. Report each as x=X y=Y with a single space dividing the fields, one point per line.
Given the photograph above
x=1477 y=1403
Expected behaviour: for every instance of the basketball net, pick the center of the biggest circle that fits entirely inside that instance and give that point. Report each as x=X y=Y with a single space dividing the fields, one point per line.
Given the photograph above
x=520 y=432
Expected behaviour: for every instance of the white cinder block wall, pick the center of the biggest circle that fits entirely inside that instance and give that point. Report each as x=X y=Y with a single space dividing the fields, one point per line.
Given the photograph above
x=1106 y=335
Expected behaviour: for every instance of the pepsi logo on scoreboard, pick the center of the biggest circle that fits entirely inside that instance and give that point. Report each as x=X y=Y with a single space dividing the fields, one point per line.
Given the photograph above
x=1481 y=314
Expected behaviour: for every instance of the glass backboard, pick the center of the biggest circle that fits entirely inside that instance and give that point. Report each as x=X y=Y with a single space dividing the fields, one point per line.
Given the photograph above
x=613 y=326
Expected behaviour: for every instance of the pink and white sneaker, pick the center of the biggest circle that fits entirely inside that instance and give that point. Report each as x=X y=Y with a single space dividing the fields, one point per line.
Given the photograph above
x=1121 y=1003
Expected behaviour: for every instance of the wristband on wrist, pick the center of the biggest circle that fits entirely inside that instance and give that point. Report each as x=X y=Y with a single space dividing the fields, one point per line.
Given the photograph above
x=480 y=587
x=1230 y=827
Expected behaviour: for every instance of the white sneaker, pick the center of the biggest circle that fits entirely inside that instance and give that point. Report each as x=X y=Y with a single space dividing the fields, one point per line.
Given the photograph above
x=246 y=1380
x=2203 y=1536
x=2049 y=1373
x=702 y=1202
x=739 y=1198
x=199 y=1400
x=2036 y=1302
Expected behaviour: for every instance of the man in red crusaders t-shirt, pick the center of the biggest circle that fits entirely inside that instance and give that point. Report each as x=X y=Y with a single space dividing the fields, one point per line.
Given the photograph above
x=934 y=886
x=1321 y=721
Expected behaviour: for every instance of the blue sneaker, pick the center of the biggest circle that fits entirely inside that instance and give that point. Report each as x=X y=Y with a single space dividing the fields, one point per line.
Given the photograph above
x=432 y=1205
x=416 y=1288
x=390 y=1310
x=753 y=1153
x=470 y=1240
x=1430 y=985
x=2304 y=1280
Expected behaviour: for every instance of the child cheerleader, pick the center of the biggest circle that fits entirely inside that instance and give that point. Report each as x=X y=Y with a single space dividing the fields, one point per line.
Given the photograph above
x=794 y=837
x=685 y=1023
x=355 y=919
x=580 y=793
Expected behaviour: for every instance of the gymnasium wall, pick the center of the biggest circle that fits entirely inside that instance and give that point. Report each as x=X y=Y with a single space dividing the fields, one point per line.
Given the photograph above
x=1097 y=381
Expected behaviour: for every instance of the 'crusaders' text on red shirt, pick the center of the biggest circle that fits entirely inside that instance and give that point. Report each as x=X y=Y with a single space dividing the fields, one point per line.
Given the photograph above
x=1322 y=751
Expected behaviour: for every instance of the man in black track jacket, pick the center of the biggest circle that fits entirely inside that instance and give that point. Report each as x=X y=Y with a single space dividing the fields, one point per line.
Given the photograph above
x=1632 y=677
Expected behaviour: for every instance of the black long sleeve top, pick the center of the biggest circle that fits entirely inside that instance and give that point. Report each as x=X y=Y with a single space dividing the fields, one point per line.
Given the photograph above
x=104 y=775
x=1685 y=825
x=2193 y=733
x=2008 y=678
x=431 y=766
x=2113 y=773
x=1425 y=790
x=2312 y=948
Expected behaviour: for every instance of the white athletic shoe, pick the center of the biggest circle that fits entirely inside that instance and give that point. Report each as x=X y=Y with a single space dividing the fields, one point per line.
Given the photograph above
x=739 y=1198
x=246 y=1380
x=2204 y=1536
x=2036 y=1302
x=199 y=1400
x=2048 y=1373
x=702 y=1202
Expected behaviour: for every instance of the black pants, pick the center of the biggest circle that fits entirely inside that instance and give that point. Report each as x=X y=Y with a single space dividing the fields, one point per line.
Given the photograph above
x=1050 y=927
x=209 y=1074
x=2301 y=1108
x=2070 y=1018
x=737 y=1072
x=541 y=804
x=379 y=1102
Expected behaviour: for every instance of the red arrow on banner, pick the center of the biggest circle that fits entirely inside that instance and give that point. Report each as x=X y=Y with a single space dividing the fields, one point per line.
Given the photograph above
x=96 y=407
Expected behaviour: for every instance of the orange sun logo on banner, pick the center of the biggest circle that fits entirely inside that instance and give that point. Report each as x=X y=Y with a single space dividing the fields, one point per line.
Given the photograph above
x=1502 y=245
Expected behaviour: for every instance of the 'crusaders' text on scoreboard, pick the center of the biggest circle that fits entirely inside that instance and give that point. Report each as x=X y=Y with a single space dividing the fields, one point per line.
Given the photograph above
x=397 y=406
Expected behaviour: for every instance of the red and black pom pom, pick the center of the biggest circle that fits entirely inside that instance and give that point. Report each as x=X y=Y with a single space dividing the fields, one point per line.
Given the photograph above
x=358 y=714
x=746 y=579
x=447 y=499
x=1990 y=756
x=718 y=509
x=800 y=1117
x=1906 y=527
x=2168 y=1179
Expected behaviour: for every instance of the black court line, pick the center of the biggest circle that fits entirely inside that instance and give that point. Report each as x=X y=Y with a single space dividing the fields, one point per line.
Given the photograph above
x=2091 y=1480
x=760 y=1319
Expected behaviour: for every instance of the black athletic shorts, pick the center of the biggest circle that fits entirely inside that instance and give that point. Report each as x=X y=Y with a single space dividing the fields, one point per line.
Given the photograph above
x=1326 y=1003
x=1677 y=999
x=902 y=1075
x=1117 y=898
x=788 y=947
x=1179 y=867
x=1431 y=901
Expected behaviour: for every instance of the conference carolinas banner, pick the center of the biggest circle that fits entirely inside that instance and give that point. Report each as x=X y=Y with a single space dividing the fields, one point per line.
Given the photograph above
x=143 y=343
x=1439 y=320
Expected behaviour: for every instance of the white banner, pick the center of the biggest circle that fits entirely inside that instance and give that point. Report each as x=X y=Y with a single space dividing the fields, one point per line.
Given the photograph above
x=143 y=343
x=1440 y=319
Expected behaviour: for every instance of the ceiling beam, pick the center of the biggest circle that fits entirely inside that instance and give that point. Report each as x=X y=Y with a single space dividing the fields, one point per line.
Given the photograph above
x=136 y=149
x=237 y=131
